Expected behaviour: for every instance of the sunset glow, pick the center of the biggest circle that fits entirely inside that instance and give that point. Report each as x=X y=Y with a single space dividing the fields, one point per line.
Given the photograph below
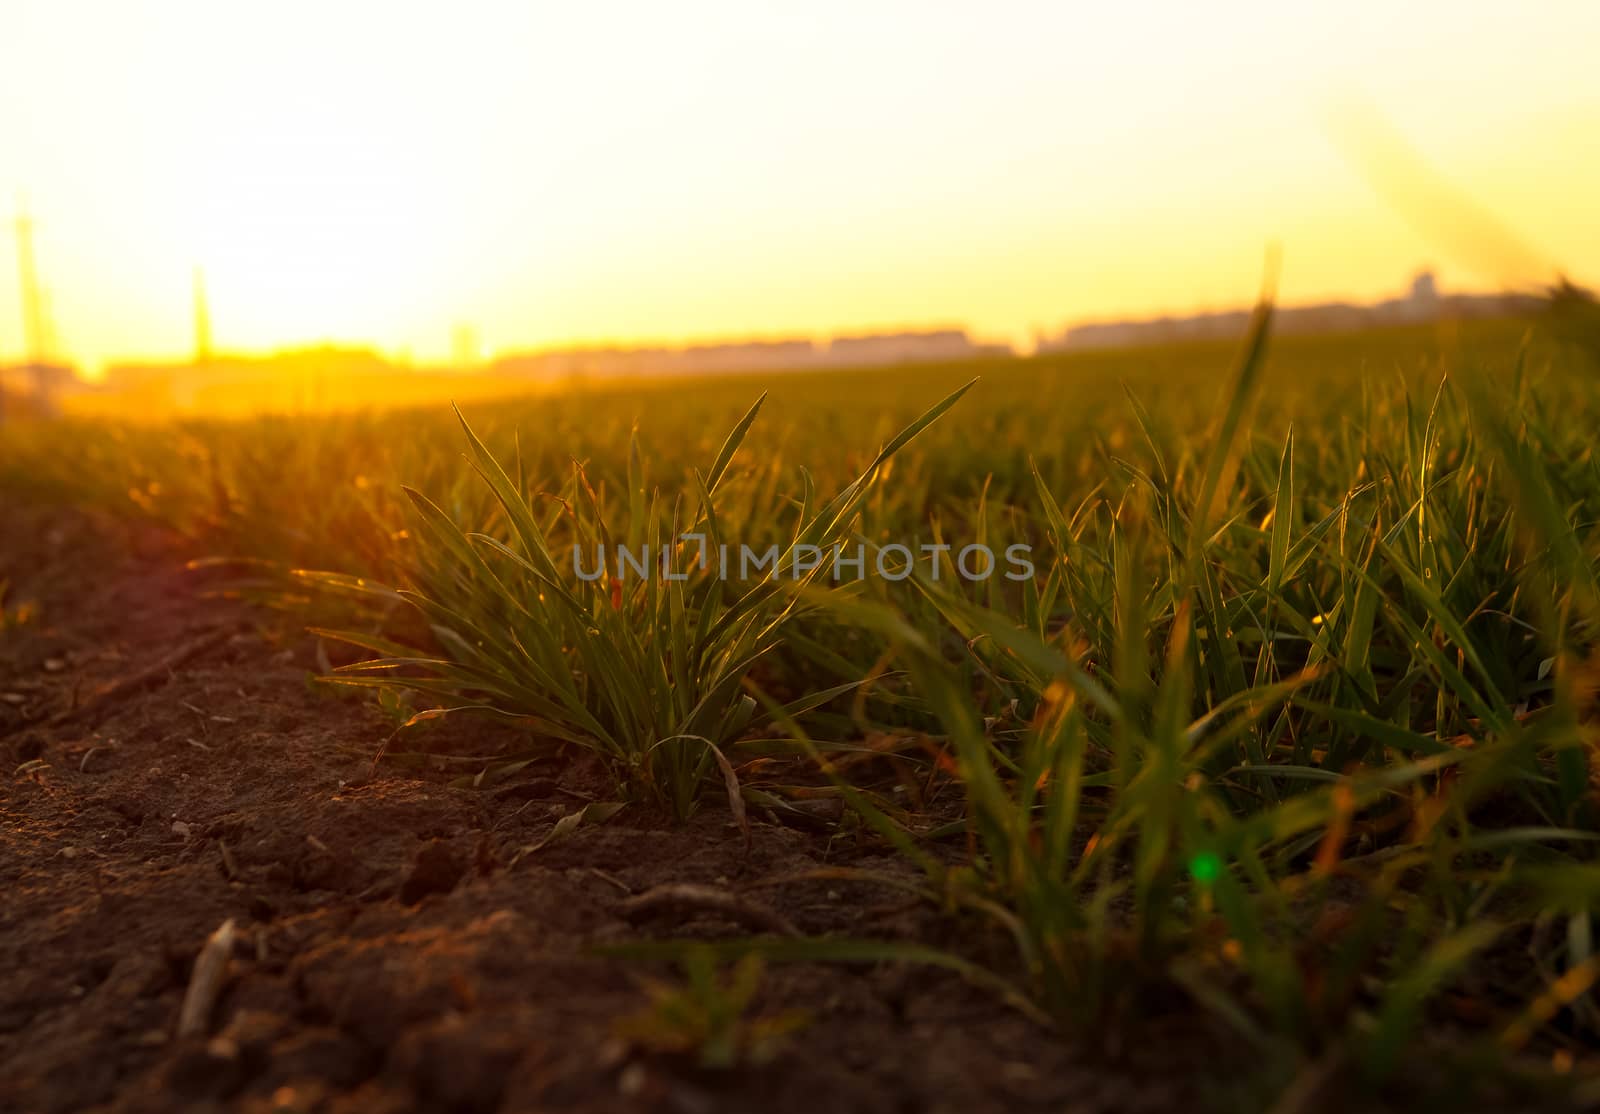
x=375 y=174
x=872 y=555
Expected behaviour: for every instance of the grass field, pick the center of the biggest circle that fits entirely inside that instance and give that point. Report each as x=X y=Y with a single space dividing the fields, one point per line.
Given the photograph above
x=1294 y=716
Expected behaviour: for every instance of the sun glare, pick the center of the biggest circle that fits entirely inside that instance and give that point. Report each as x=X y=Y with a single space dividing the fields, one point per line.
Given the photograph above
x=309 y=223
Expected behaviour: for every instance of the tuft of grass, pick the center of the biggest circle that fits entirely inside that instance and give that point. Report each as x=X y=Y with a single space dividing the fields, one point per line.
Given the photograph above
x=708 y=1016
x=645 y=670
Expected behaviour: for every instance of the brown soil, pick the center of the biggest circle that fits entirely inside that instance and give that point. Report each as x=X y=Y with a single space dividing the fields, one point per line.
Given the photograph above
x=175 y=769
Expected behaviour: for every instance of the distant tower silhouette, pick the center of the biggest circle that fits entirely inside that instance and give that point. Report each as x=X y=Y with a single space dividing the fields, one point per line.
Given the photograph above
x=464 y=346
x=202 y=320
x=33 y=324
x=1425 y=290
x=37 y=334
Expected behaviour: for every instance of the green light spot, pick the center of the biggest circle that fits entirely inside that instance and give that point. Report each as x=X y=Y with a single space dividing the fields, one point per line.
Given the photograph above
x=1205 y=867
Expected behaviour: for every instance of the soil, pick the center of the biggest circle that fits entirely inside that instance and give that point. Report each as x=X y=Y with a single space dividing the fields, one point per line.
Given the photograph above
x=399 y=946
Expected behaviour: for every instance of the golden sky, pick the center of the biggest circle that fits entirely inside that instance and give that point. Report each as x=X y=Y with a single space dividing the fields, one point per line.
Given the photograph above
x=376 y=172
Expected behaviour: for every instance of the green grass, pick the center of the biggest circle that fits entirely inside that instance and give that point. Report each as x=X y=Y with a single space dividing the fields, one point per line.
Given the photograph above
x=1296 y=713
x=648 y=671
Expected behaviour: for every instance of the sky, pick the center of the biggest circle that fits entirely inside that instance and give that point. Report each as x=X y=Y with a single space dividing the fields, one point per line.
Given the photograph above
x=379 y=173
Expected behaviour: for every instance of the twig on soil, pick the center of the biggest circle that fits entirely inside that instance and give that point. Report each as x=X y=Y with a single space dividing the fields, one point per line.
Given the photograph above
x=611 y=878
x=504 y=820
x=382 y=888
x=709 y=899
x=229 y=866
x=210 y=972
x=150 y=677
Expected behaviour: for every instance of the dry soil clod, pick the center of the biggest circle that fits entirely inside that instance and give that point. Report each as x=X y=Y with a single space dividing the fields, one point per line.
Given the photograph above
x=708 y=899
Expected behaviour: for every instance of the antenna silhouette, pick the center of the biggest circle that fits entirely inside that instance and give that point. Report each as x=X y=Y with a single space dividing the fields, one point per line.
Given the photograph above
x=33 y=324
x=202 y=320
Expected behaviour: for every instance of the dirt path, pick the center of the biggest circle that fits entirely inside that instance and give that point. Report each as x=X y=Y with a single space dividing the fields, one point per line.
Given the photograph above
x=175 y=769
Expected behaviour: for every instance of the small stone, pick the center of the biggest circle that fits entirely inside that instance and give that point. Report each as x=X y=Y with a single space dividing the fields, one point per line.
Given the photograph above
x=633 y=1080
x=54 y=665
x=180 y=829
x=256 y=1030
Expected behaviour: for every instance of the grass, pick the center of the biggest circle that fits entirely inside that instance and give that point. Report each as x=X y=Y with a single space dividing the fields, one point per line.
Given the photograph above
x=1295 y=713
x=649 y=671
x=707 y=1016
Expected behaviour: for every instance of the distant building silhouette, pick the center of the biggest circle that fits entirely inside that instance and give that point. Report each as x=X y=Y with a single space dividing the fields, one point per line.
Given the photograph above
x=901 y=348
x=295 y=379
x=1423 y=303
x=865 y=350
x=314 y=378
x=36 y=388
